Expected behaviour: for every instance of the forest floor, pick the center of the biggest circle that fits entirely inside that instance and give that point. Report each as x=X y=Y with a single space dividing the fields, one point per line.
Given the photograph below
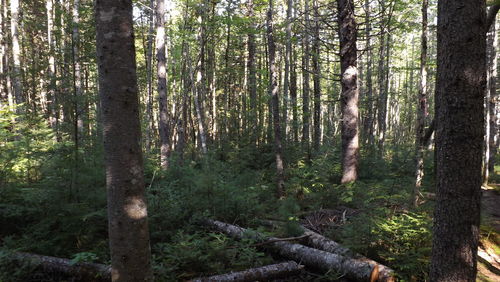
x=489 y=250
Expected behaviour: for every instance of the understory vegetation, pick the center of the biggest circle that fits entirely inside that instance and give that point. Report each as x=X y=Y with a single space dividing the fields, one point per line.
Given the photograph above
x=50 y=207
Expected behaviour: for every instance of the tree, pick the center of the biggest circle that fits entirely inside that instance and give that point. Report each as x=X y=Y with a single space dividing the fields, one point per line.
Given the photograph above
x=421 y=108
x=461 y=78
x=161 y=70
x=274 y=103
x=127 y=211
x=16 y=52
x=350 y=92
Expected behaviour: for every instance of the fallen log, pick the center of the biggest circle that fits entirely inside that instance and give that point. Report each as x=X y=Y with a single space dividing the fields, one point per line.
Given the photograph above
x=267 y=272
x=325 y=261
x=52 y=265
x=320 y=242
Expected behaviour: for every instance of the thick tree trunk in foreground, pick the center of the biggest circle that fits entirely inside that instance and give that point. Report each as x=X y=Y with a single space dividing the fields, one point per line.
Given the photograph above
x=421 y=109
x=273 y=91
x=324 y=261
x=16 y=52
x=350 y=92
x=161 y=71
x=461 y=81
x=263 y=273
x=58 y=266
x=127 y=212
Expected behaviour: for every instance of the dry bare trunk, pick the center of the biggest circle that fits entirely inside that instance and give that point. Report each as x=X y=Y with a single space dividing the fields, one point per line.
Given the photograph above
x=310 y=257
x=54 y=265
x=263 y=273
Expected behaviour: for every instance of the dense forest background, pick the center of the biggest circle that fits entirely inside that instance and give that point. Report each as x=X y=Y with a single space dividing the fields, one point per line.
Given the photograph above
x=244 y=118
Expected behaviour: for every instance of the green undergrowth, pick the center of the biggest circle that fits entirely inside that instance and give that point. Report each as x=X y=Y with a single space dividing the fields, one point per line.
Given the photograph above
x=62 y=212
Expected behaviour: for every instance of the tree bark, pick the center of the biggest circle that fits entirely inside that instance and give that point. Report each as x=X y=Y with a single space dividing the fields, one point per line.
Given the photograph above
x=149 y=77
x=199 y=95
x=263 y=273
x=317 y=259
x=421 y=109
x=350 y=92
x=54 y=265
x=252 y=79
x=16 y=52
x=127 y=211
x=305 y=79
x=161 y=71
x=368 y=126
x=493 y=101
x=461 y=81
x=274 y=101
x=316 y=79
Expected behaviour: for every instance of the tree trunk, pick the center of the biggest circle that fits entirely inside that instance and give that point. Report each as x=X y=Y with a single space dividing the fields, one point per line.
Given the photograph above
x=305 y=79
x=350 y=92
x=263 y=273
x=127 y=211
x=161 y=71
x=58 y=266
x=461 y=81
x=317 y=259
x=16 y=52
x=149 y=77
x=273 y=93
x=317 y=81
x=288 y=56
x=51 y=99
x=421 y=109
x=252 y=79
x=490 y=102
x=368 y=126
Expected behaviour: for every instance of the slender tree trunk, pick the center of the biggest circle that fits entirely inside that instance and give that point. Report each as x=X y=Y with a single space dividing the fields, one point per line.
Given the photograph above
x=368 y=126
x=161 y=72
x=127 y=211
x=421 y=108
x=461 y=81
x=305 y=79
x=149 y=77
x=317 y=82
x=273 y=93
x=288 y=56
x=199 y=95
x=16 y=76
x=52 y=66
x=252 y=79
x=350 y=92
x=493 y=101
x=293 y=82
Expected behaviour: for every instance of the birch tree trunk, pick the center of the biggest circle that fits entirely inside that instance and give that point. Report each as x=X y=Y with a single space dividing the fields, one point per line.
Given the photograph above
x=127 y=211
